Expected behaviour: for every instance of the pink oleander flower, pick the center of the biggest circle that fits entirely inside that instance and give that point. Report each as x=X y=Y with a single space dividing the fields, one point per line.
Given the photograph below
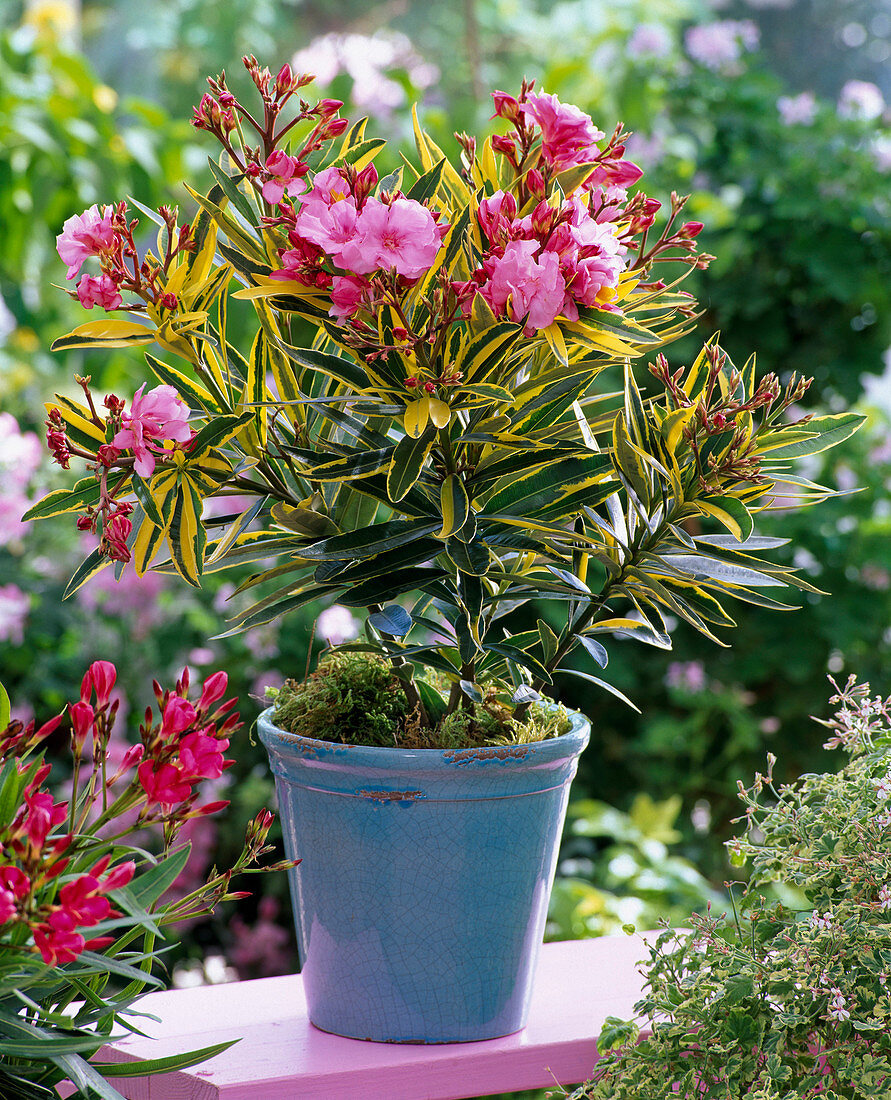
x=37 y=816
x=496 y=214
x=286 y=176
x=21 y=455
x=101 y=290
x=179 y=714
x=568 y=135
x=101 y=675
x=154 y=417
x=83 y=722
x=85 y=235
x=328 y=187
x=114 y=537
x=213 y=689
x=201 y=756
x=525 y=286
x=330 y=228
x=14 y=885
x=402 y=236
x=57 y=940
x=166 y=786
x=797 y=110
x=347 y=295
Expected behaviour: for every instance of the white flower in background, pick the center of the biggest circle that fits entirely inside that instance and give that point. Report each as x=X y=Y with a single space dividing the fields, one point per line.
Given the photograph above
x=824 y=923
x=797 y=110
x=337 y=624
x=838 y=1006
x=885 y=897
x=861 y=100
x=883 y=788
x=881 y=152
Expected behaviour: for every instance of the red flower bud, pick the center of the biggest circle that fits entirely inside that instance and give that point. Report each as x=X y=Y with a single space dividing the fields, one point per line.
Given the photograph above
x=335 y=127
x=284 y=80
x=325 y=108
x=506 y=106
x=690 y=230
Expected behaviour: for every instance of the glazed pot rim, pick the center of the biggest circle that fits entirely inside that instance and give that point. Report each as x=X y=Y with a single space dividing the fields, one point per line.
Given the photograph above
x=564 y=745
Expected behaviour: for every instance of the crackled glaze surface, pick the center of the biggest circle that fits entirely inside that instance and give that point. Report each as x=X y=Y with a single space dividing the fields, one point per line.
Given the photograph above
x=422 y=893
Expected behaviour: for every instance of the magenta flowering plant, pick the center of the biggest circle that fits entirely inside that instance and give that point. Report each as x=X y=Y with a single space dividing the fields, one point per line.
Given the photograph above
x=443 y=451
x=82 y=908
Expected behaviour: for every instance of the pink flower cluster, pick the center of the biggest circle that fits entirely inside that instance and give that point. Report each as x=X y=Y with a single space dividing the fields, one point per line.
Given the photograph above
x=548 y=263
x=183 y=749
x=154 y=418
x=188 y=746
x=84 y=235
x=340 y=224
x=20 y=458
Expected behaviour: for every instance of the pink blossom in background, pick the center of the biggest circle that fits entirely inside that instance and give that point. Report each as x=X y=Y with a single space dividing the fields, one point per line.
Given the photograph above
x=718 y=46
x=260 y=950
x=859 y=99
x=402 y=235
x=337 y=624
x=649 y=40
x=568 y=135
x=84 y=235
x=98 y=290
x=527 y=286
x=21 y=455
x=797 y=109
x=269 y=679
x=154 y=417
x=881 y=152
x=686 y=676
x=649 y=150
x=14 y=607
x=132 y=596
x=367 y=60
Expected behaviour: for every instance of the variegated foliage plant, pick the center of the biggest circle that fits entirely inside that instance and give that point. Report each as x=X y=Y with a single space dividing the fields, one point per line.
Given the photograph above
x=441 y=454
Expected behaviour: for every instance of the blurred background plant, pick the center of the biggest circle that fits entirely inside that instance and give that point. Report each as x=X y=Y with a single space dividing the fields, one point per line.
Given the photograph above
x=773 y=115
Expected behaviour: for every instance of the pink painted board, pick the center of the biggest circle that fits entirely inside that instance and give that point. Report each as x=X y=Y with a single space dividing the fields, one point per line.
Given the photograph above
x=283 y=1057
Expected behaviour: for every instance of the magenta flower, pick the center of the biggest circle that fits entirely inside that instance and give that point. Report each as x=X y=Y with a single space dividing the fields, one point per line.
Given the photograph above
x=402 y=236
x=101 y=675
x=526 y=287
x=179 y=714
x=83 y=722
x=14 y=885
x=85 y=235
x=285 y=173
x=201 y=756
x=166 y=786
x=56 y=939
x=347 y=295
x=213 y=689
x=154 y=417
x=568 y=135
x=98 y=290
x=330 y=228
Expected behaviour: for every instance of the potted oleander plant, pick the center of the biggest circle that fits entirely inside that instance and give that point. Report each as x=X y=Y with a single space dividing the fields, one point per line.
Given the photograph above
x=443 y=416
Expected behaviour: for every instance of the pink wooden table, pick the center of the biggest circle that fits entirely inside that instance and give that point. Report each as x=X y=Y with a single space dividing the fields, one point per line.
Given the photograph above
x=283 y=1057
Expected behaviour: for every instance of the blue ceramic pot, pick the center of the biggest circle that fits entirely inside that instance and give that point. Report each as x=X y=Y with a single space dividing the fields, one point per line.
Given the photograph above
x=421 y=898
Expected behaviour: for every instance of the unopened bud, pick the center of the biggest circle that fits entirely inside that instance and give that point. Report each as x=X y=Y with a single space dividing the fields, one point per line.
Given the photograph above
x=506 y=106
x=284 y=81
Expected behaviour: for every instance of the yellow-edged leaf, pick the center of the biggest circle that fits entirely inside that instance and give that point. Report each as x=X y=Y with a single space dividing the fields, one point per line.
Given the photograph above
x=109 y=332
x=416 y=417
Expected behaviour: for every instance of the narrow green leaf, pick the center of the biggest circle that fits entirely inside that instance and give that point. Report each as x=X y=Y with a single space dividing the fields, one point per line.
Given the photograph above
x=406 y=467
x=148 y=1067
x=601 y=683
